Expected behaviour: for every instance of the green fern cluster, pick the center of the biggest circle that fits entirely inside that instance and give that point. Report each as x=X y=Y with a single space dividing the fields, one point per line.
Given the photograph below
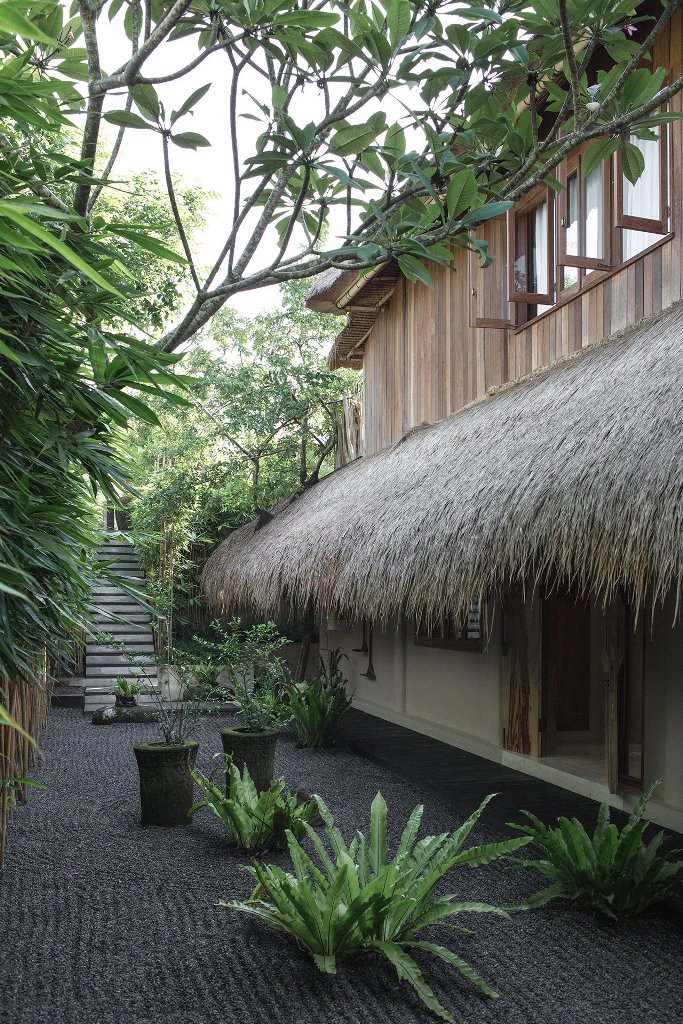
x=358 y=900
x=317 y=706
x=615 y=873
x=253 y=820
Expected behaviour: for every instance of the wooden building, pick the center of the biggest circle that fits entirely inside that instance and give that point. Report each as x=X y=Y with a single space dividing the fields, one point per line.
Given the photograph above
x=503 y=565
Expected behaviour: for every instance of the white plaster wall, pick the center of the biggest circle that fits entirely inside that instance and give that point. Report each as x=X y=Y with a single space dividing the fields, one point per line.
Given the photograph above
x=452 y=694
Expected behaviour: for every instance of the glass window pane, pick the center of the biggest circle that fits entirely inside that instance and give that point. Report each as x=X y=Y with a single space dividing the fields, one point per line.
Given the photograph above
x=570 y=275
x=538 y=248
x=593 y=217
x=572 y=225
x=633 y=242
x=643 y=199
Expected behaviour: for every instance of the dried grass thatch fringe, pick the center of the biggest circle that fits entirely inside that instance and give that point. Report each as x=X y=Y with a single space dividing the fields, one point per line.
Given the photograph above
x=573 y=473
x=27 y=699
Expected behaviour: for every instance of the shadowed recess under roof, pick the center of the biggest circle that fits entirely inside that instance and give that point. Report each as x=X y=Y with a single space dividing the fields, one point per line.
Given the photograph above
x=574 y=472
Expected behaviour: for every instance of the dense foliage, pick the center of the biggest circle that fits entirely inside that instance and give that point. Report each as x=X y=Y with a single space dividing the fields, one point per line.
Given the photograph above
x=358 y=899
x=263 y=425
x=69 y=380
x=401 y=125
x=615 y=873
x=253 y=820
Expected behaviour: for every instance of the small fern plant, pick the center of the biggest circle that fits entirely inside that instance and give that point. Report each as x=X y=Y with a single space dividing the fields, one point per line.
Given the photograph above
x=357 y=899
x=317 y=705
x=614 y=873
x=254 y=820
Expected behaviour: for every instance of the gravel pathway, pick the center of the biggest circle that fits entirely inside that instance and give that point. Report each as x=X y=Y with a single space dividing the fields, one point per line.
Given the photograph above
x=103 y=922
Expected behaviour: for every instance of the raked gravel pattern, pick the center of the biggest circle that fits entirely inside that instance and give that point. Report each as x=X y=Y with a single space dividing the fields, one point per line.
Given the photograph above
x=103 y=922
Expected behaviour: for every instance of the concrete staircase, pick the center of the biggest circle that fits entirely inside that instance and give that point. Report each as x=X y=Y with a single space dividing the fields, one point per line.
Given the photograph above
x=128 y=624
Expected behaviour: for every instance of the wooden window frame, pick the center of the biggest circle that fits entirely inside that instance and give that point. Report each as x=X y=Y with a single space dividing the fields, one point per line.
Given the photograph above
x=646 y=224
x=568 y=167
x=449 y=641
x=518 y=212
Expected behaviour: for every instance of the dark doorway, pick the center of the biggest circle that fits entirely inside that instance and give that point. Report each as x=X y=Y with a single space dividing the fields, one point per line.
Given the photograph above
x=566 y=671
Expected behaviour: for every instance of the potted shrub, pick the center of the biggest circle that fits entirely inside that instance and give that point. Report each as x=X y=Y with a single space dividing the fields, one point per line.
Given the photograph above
x=256 y=683
x=126 y=693
x=166 y=787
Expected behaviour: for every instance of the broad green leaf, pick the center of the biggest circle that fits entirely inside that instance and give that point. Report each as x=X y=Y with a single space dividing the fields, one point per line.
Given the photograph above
x=462 y=192
x=632 y=161
x=13 y=22
x=126 y=119
x=189 y=140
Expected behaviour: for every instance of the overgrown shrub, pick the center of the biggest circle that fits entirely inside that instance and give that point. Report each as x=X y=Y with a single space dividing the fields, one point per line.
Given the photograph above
x=253 y=820
x=614 y=873
x=317 y=705
x=357 y=900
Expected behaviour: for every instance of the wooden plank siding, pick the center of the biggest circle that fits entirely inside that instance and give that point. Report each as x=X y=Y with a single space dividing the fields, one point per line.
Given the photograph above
x=425 y=359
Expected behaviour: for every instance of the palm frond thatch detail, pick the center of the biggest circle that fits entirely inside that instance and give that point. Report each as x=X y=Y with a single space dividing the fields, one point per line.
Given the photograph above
x=574 y=472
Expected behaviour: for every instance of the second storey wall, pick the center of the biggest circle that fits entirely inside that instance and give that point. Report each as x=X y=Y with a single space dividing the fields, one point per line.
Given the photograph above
x=424 y=361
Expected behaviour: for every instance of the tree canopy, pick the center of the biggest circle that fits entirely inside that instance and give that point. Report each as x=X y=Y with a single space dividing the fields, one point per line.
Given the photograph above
x=400 y=124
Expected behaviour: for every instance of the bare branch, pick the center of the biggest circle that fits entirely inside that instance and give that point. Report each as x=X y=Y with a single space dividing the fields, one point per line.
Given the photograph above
x=176 y=211
x=571 y=60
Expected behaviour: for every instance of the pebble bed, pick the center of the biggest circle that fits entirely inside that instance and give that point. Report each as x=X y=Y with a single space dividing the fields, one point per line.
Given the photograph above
x=104 y=922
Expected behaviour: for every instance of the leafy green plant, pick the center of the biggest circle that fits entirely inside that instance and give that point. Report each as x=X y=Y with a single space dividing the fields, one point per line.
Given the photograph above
x=317 y=705
x=261 y=706
x=614 y=873
x=358 y=900
x=126 y=687
x=254 y=821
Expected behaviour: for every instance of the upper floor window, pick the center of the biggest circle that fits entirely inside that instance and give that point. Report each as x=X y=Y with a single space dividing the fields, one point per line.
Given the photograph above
x=642 y=207
x=603 y=219
x=530 y=243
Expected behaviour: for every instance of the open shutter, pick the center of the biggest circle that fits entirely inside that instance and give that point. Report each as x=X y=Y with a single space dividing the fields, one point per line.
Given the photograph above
x=489 y=285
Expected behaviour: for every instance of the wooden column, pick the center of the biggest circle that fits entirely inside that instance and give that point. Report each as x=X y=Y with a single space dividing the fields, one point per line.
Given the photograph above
x=522 y=671
x=613 y=664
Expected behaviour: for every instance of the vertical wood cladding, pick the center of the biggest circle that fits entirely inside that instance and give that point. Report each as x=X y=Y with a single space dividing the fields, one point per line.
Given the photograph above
x=424 y=360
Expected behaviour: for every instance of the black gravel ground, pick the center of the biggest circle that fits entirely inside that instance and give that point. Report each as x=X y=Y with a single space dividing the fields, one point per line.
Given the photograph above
x=103 y=922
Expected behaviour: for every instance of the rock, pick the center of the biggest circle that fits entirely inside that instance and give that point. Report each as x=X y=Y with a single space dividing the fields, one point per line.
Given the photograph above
x=112 y=715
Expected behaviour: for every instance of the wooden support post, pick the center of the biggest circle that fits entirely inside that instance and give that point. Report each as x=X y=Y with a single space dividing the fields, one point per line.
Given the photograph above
x=613 y=664
x=522 y=665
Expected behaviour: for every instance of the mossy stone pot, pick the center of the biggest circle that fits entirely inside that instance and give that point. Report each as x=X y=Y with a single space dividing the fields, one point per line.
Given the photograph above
x=166 y=786
x=255 y=749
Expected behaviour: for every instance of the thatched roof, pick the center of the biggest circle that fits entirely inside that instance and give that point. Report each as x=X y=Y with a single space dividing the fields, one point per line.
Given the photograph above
x=574 y=472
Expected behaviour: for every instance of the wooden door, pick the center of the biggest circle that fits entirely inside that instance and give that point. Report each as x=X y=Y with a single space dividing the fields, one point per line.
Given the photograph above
x=522 y=671
x=614 y=667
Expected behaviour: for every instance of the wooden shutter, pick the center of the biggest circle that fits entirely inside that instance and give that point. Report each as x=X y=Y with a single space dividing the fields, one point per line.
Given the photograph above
x=489 y=285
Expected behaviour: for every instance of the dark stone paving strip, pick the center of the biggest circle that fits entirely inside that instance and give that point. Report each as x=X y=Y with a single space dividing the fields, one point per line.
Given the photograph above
x=102 y=922
x=462 y=780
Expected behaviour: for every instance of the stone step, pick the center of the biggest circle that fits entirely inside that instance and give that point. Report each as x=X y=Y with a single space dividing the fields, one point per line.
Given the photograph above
x=123 y=631
x=139 y=617
x=119 y=607
x=111 y=670
x=138 y=645
x=108 y=590
x=128 y=572
x=115 y=660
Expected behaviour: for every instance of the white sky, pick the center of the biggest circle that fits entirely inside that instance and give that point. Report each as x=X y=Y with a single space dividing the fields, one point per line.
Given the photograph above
x=205 y=167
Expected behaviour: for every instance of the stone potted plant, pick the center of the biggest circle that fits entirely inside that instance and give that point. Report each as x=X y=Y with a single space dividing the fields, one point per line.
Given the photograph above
x=166 y=787
x=126 y=693
x=252 y=743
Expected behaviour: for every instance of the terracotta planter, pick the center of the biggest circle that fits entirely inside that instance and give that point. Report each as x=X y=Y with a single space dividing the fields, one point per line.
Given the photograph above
x=166 y=786
x=255 y=749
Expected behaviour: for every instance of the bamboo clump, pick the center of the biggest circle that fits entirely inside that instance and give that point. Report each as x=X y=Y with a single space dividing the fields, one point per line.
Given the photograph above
x=574 y=473
x=27 y=700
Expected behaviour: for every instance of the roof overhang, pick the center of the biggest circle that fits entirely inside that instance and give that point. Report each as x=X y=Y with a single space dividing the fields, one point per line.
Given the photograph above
x=359 y=295
x=574 y=473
